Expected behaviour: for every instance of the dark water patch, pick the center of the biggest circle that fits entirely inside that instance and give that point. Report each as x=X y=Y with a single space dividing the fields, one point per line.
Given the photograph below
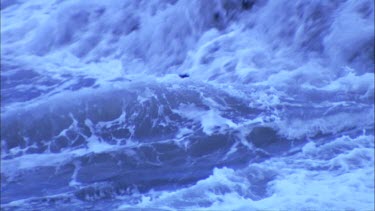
x=22 y=84
x=144 y=115
x=28 y=183
x=81 y=82
x=12 y=96
x=247 y=4
x=201 y=146
x=7 y=3
x=111 y=117
x=158 y=166
x=267 y=139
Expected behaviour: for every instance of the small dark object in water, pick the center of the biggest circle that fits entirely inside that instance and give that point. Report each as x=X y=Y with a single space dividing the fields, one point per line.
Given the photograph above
x=247 y=4
x=183 y=75
x=216 y=17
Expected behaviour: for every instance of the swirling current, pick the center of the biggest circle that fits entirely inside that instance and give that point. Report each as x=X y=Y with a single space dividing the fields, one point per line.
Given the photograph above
x=187 y=105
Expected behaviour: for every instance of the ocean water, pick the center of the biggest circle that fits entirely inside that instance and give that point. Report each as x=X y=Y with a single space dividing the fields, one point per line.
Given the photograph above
x=187 y=105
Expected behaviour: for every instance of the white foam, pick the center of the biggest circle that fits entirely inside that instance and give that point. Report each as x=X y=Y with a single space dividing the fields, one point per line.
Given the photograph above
x=209 y=119
x=296 y=182
x=30 y=161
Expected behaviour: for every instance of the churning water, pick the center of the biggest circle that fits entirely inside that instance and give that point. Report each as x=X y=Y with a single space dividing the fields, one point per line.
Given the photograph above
x=187 y=105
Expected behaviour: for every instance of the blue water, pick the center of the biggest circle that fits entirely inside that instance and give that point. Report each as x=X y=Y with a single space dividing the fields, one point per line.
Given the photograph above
x=187 y=105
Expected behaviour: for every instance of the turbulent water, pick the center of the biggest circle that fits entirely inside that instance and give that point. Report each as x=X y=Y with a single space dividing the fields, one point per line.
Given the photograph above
x=187 y=105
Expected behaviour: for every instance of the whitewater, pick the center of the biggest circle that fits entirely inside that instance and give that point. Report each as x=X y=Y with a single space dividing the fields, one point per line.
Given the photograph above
x=187 y=105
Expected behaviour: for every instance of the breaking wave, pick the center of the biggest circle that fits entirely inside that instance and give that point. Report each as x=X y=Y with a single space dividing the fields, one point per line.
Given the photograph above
x=187 y=104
